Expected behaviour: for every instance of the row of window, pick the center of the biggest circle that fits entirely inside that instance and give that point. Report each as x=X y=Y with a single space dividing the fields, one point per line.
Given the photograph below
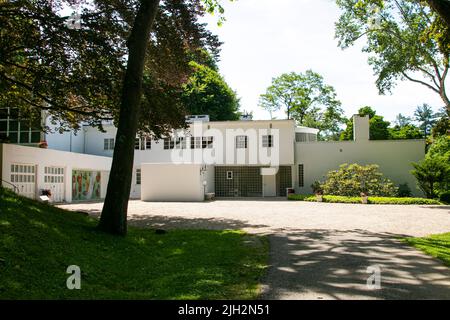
x=229 y=175
x=18 y=130
x=196 y=143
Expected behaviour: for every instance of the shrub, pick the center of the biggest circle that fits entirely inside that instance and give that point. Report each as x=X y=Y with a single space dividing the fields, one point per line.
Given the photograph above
x=371 y=200
x=445 y=197
x=317 y=187
x=354 y=179
x=431 y=173
x=404 y=190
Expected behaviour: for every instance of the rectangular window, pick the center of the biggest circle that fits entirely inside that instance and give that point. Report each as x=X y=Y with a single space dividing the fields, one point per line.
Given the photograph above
x=169 y=143
x=137 y=144
x=138 y=176
x=207 y=142
x=180 y=143
x=301 y=176
x=229 y=175
x=148 y=143
x=196 y=142
x=241 y=142
x=108 y=144
x=267 y=141
x=19 y=129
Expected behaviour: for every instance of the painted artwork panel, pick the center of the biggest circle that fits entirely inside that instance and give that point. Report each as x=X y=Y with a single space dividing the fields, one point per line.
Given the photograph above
x=86 y=185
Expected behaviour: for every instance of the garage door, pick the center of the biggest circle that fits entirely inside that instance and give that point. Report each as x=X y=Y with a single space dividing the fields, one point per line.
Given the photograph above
x=54 y=181
x=23 y=176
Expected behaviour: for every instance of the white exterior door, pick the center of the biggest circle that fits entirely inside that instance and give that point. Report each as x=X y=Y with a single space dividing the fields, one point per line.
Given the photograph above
x=270 y=186
x=23 y=176
x=54 y=181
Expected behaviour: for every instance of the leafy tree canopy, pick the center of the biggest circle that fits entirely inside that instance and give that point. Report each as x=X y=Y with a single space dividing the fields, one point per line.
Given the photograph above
x=307 y=99
x=206 y=92
x=76 y=73
x=404 y=38
x=378 y=127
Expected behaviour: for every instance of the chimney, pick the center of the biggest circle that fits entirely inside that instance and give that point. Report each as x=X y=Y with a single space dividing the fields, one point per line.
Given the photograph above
x=360 y=128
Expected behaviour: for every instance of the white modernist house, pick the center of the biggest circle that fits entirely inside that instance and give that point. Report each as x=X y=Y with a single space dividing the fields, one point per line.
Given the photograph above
x=247 y=158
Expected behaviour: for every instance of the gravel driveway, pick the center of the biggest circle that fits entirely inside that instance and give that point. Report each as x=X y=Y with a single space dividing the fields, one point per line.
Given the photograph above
x=320 y=250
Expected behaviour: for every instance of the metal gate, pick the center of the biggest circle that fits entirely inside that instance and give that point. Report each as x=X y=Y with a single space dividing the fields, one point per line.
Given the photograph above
x=23 y=176
x=54 y=181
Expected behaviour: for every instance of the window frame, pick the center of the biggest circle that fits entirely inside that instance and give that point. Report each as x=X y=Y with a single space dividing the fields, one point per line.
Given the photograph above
x=267 y=141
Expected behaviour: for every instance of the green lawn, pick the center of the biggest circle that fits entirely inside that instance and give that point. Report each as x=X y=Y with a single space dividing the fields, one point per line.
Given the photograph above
x=437 y=246
x=38 y=242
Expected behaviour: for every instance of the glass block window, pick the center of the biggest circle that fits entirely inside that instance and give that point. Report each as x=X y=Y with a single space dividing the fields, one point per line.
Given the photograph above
x=19 y=129
x=241 y=142
x=245 y=182
x=54 y=175
x=267 y=141
x=108 y=144
x=138 y=176
x=301 y=176
x=284 y=180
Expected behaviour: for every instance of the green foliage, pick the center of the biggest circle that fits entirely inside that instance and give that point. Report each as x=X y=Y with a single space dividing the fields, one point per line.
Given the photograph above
x=378 y=128
x=402 y=37
x=370 y=200
x=76 y=74
x=441 y=128
x=437 y=246
x=316 y=187
x=408 y=131
x=307 y=99
x=432 y=173
x=353 y=179
x=426 y=118
x=445 y=197
x=206 y=92
x=38 y=242
x=404 y=190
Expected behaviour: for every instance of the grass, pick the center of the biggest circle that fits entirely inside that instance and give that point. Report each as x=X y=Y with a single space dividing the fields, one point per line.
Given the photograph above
x=370 y=200
x=38 y=242
x=437 y=246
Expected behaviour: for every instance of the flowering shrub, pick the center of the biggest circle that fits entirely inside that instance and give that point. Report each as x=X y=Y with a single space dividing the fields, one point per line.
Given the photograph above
x=353 y=180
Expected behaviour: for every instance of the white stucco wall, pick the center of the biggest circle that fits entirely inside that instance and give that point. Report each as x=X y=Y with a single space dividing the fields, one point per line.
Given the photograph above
x=41 y=158
x=169 y=182
x=66 y=141
x=393 y=156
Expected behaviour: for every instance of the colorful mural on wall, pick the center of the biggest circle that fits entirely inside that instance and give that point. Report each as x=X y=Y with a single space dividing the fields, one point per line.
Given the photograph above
x=86 y=185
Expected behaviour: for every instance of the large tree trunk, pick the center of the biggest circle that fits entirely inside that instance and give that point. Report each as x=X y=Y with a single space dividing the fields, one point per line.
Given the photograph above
x=114 y=215
x=442 y=7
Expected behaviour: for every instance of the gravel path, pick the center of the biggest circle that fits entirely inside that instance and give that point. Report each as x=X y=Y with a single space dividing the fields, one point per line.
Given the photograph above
x=320 y=250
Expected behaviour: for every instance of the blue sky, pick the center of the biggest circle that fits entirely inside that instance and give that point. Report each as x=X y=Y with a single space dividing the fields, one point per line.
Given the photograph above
x=265 y=38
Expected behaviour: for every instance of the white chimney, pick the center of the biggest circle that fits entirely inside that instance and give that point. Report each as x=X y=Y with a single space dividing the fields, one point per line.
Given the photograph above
x=360 y=128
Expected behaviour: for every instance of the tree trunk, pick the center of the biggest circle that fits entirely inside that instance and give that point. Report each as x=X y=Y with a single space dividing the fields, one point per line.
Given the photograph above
x=442 y=7
x=114 y=214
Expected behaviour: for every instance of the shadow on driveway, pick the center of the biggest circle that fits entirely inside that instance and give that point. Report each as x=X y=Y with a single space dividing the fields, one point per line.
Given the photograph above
x=332 y=264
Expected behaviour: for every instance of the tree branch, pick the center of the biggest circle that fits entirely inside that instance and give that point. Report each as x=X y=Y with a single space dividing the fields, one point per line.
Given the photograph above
x=421 y=82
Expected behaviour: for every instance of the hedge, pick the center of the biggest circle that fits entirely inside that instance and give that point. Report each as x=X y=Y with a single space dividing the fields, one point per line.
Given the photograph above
x=370 y=200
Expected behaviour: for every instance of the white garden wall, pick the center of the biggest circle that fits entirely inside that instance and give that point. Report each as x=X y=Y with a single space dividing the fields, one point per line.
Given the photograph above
x=39 y=159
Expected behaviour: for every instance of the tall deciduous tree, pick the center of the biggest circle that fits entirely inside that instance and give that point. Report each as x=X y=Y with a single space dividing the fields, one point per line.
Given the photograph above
x=96 y=70
x=307 y=99
x=206 y=92
x=405 y=39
